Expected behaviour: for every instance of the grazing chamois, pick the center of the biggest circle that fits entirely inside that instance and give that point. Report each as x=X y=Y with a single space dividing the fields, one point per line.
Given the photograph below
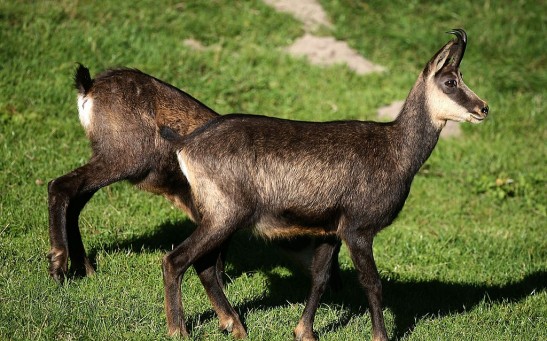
x=342 y=180
x=121 y=110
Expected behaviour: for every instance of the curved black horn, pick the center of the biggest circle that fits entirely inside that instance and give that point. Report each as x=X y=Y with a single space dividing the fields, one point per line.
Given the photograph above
x=460 y=34
x=459 y=45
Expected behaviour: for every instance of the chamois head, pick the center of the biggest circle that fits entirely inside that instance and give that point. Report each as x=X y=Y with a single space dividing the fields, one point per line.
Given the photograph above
x=448 y=98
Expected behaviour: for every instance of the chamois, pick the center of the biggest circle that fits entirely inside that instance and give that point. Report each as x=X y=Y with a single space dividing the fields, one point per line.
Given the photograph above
x=333 y=180
x=121 y=110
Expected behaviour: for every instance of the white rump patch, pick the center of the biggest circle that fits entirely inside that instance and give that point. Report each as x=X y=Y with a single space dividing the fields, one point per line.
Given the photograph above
x=85 y=110
x=183 y=166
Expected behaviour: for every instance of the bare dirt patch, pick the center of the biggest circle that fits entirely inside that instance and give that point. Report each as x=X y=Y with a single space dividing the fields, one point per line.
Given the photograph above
x=390 y=112
x=309 y=12
x=329 y=51
x=194 y=44
x=321 y=50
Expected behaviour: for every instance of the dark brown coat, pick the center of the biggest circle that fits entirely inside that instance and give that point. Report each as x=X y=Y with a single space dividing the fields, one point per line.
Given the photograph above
x=336 y=180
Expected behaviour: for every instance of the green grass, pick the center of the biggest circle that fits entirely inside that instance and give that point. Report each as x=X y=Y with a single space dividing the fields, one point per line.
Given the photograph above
x=466 y=260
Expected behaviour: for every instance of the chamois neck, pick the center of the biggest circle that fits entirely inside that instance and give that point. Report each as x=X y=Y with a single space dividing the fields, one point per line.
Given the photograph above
x=417 y=133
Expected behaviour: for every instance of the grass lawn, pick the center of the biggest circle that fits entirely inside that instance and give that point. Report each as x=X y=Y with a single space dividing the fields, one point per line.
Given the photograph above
x=466 y=259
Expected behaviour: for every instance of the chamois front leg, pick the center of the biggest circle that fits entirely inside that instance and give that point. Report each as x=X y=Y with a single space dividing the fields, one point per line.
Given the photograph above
x=360 y=248
x=173 y=303
x=208 y=274
x=320 y=271
x=205 y=242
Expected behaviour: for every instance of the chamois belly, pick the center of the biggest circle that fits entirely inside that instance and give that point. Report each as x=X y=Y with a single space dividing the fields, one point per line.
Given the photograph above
x=281 y=226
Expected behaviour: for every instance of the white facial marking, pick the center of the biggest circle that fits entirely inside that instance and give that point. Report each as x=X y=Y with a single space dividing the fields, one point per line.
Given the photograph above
x=443 y=108
x=85 y=106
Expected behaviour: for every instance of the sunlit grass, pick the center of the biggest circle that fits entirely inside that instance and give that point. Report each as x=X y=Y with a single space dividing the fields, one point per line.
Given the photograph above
x=467 y=259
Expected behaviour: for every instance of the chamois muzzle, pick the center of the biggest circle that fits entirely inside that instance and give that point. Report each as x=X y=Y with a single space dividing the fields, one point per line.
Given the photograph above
x=484 y=112
x=479 y=117
x=458 y=48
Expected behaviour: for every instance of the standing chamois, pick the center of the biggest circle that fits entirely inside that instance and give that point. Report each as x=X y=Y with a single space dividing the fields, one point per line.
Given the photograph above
x=121 y=111
x=334 y=180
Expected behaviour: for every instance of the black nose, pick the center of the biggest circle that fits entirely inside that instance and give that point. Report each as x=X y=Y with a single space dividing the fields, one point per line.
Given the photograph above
x=485 y=110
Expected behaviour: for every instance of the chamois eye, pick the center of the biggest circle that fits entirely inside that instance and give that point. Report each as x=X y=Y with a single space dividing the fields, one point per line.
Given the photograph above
x=450 y=83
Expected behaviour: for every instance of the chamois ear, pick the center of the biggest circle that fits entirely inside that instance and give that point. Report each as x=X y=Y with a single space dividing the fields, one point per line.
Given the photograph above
x=451 y=54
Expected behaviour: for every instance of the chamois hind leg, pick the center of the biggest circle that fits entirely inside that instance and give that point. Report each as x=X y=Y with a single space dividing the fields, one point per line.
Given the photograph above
x=320 y=271
x=220 y=263
x=67 y=195
x=208 y=237
x=360 y=247
x=206 y=269
x=335 y=279
x=301 y=251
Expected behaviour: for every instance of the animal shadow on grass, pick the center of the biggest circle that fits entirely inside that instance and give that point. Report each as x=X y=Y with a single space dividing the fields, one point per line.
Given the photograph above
x=410 y=301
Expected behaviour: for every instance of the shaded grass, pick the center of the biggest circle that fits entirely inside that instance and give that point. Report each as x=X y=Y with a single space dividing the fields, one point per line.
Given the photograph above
x=465 y=260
